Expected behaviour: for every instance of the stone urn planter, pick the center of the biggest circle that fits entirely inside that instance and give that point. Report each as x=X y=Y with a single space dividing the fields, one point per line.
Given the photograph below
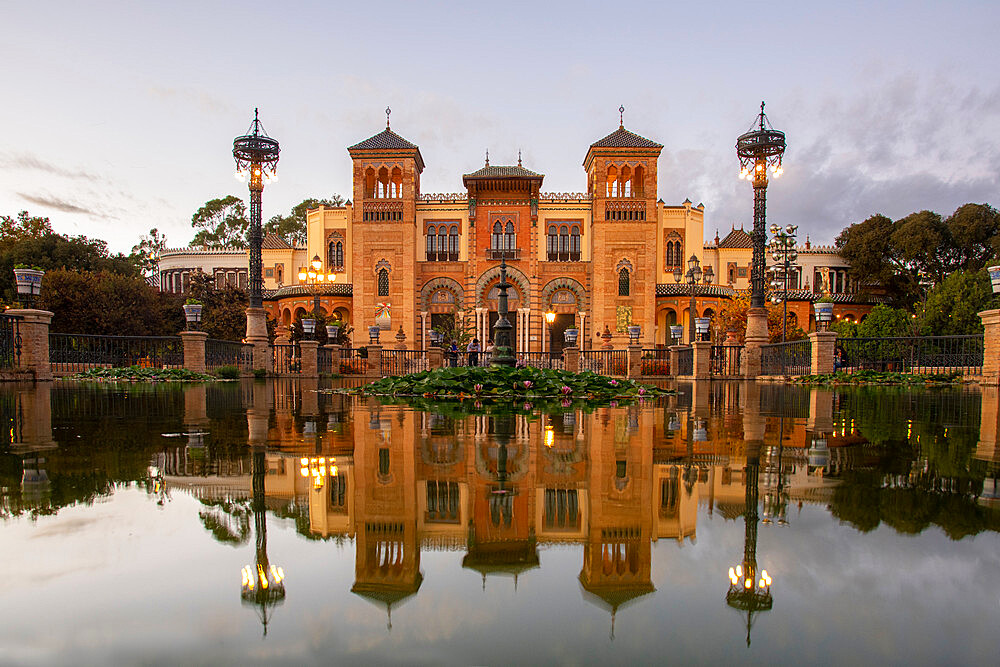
x=192 y=314
x=995 y=278
x=29 y=284
x=823 y=310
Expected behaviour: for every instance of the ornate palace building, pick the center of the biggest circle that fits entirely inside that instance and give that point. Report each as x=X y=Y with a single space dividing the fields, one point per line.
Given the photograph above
x=599 y=259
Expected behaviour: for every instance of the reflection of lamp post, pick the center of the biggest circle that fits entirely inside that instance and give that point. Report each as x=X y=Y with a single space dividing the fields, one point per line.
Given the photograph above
x=313 y=279
x=750 y=590
x=759 y=149
x=263 y=583
x=784 y=254
x=776 y=499
x=257 y=154
x=693 y=277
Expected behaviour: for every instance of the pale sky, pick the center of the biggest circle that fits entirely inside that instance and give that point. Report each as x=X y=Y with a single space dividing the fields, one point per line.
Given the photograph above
x=120 y=116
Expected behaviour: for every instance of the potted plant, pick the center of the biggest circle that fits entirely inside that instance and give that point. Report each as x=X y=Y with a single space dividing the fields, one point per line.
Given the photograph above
x=634 y=331
x=570 y=336
x=995 y=278
x=192 y=313
x=676 y=332
x=823 y=308
x=29 y=282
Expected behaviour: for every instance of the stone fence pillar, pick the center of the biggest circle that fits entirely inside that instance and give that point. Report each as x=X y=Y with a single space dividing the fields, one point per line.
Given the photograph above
x=991 y=347
x=374 y=361
x=34 y=328
x=435 y=357
x=756 y=338
x=257 y=336
x=674 y=354
x=334 y=357
x=824 y=350
x=571 y=359
x=702 y=354
x=194 y=350
x=310 y=358
x=634 y=361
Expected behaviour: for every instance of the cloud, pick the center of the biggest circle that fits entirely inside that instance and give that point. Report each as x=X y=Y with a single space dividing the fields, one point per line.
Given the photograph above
x=57 y=203
x=28 y=161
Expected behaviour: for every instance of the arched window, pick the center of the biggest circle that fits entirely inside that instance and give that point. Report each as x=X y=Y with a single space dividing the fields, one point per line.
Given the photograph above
x=551 y=244
x=453 y=243
x=497 y=240
x=431 y=247
x=624 y=284
x=626 y=182
x=574 y=243
x=509 y=240
x=396 y=186
x=564 y=241
x=383 y=282
x=442 y=241
x=383 y=183
x=612 y=181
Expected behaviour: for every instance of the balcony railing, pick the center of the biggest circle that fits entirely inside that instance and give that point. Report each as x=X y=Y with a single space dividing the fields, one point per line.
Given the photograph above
x=10 y=341
x=498 y=253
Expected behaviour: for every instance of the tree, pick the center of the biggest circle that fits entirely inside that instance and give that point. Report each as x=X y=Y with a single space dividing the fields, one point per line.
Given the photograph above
x=870 y=248
x=146 y=253
x=459 y=328
x=884 y=321
x=23 y=226
x=975 y=234
x=293 y=226
x=221 y=222
x=733 y=317
x=103 y=302
x=952 y=306
x=921 y=244
x=223 y=310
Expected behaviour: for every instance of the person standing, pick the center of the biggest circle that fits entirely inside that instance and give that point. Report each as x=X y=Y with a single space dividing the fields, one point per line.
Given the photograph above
x=473 y=349
x=453 y=353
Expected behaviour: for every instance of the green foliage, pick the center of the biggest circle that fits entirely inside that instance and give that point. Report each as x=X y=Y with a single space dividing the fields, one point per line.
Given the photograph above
x=733 y=317
x=146 y=253
x=495 y=382
x=844 y=328
x=880 y=377
x=292 y=227
x=975 y=233
x=260 y=373
x=884 y=321
x=221 y=222
x=109 y=303
x=952 y=307
x=223 y=313
x=142 y=374
x=29 y=241
x=460 y=328
x=228 y=372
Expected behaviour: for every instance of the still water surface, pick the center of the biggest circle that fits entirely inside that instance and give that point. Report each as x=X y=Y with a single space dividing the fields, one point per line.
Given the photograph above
x=138 y=523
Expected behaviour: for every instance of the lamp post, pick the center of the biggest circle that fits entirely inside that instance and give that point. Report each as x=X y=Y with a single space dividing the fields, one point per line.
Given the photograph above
x=758 y=150
x=784 y=254
x=313 y=279
x=693 y=277
x=256 y=155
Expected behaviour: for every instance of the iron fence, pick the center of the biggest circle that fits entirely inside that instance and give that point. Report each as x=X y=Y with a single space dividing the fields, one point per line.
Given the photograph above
x=219 y=353
x=541 y=359
x=606 y=362
x=73 y=353
x=726 y=359
x=790 y=358
x=656 y=361
x=287 y=359
x=10 y=341
x=685 y=361
x=403 y=362
x=911 y=354
x=324 y=360
x=352 y=362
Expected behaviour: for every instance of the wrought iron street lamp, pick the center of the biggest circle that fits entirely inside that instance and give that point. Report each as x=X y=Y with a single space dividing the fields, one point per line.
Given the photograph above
x=550 y=318
x=758 y=150
x=313 y=279
x=784 y=254
x=693 y=276
x=256 y=156
x=503 y=355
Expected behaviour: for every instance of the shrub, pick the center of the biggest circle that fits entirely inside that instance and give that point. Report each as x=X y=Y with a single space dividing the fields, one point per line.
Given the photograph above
x=228 y=372
x=260 y=373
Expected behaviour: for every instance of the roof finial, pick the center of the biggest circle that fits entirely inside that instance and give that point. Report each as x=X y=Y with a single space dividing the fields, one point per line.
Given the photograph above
x=518 y=157
x=621 y=116
x=387 y=112
x=256 y=121
x=487 y=157
x=762 y=114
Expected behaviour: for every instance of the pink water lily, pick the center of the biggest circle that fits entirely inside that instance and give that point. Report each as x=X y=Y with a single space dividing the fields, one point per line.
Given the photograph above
x=566 y=402
x=527 y=407
x=613 y=404
x=478 y=388
x=642 y=390
x=614 y=383
x=527 y=383
x=565 y=390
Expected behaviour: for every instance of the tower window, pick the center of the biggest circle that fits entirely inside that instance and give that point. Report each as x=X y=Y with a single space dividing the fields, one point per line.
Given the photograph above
x=624 y=283
x=383 y=282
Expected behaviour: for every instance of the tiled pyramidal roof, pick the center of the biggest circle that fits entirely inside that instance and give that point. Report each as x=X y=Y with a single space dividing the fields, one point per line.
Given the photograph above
x=386 y=139
x=622 y=138
x=500 y=171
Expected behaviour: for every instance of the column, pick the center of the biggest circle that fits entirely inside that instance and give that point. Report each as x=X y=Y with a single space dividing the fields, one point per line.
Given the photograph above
x=310 y=358
x=374 y=361
x=194 y=350
x=702 y=369
x=634 y=361
x=991 y=347
x=423 y=330
x=824 y=344
x=34 y=328
x=582 y=315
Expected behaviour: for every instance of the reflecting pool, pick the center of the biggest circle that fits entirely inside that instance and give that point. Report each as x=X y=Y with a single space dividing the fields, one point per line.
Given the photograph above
x=278 y=523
